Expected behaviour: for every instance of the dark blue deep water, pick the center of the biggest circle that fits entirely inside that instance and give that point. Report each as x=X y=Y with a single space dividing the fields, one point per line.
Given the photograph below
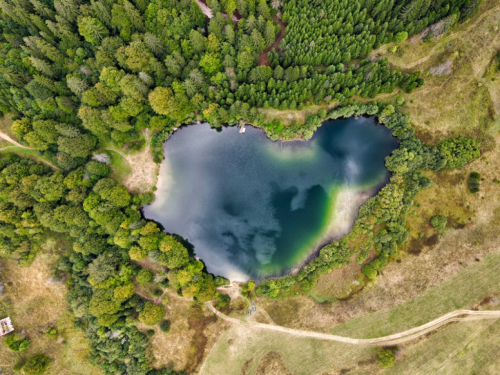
x=256 y=208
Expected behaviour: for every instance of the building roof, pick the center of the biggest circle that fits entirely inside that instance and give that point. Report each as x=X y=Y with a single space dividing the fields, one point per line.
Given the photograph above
x=6 y=326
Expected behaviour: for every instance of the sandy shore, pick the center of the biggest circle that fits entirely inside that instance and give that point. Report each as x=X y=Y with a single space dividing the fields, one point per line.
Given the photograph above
x=346 y=211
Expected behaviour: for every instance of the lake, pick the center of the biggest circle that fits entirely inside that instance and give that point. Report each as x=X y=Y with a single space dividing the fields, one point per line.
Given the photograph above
x=253 y=208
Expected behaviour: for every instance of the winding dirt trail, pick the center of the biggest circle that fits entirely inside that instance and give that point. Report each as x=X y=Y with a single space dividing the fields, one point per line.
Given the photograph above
x=17 y=144
x=263 y=60
x=397 y=338
x=440 y=42
x=205 y=9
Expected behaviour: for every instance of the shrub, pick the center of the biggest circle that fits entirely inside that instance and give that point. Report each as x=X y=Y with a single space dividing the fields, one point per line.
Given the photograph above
x=157 y=292
x=223 y=300
x=52 y=332
x=221 y=281
x=369 y=271
x=18 y=366
x=459 y=151
x=150 y=333
x=439 y=222
x=165 y=325
x=36 y=365
x=164 y=284
x=425 y=182
x=473 y=182
x=401 y=37
x=17 y=343
x=144 y=276
x=151 y=314
x=386 y=358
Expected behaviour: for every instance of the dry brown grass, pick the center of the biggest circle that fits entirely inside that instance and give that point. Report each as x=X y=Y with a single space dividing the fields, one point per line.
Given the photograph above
x=34 y=303
x=272 y=364
x=459 y=103
x=461 y=263
x=137 y=170
x=432 y=261
x=5 y=123
x=193 y=332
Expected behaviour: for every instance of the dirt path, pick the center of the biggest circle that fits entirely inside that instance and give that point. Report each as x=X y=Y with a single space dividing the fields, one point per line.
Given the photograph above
x=205 y=9
x=208 y=12
x=9 y=139
x=395 y=339
x=263 y=60
x=440 y=43
x=17 y=144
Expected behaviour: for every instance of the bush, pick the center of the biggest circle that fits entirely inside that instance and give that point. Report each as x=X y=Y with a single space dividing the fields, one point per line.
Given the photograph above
x=223 y=300
x=144 y=276
x=151 y=314
x=157 y=292
x=425 y=183
x=473 y=182
x=401 y=37
x=165 y=325
x=221 y=281
x=36 y=365
x=17 y=367
x=386 y=358
x=439 y=222
x=369 y=271
x=164 y=284
x=459 y=151
x=17 y=343
x=52 y=332
x=150 y=333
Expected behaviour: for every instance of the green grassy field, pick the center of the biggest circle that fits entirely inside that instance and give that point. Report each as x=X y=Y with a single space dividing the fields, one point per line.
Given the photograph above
x=309 y=356
x=120 y=166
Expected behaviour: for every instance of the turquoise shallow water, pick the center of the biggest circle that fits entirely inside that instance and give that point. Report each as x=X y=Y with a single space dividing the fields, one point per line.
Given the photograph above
x=256 y=208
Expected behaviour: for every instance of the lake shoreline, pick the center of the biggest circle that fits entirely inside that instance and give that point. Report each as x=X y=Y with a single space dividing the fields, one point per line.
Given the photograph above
x=354 y=142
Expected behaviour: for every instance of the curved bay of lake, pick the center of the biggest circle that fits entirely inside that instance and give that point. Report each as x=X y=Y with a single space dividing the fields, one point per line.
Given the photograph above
x=254 y=208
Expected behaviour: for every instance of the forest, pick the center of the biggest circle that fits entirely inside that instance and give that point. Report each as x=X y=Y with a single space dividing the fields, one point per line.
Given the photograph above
x=78 y=75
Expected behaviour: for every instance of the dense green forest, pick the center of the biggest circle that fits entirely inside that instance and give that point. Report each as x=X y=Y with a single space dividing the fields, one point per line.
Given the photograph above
x=77 y=75
x=108 y=233
x=81 y=74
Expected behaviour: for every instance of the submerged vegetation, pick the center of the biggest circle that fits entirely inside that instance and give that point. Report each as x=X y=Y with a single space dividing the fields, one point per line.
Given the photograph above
x=80 y=75
x=381 y=224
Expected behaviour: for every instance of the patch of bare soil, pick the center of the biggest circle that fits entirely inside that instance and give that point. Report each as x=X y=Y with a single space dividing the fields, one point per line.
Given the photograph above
x=172 y=349
x=246 y=366
x=272 y=364
x=443 y=69
x=143 y=170
x=390 y=340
